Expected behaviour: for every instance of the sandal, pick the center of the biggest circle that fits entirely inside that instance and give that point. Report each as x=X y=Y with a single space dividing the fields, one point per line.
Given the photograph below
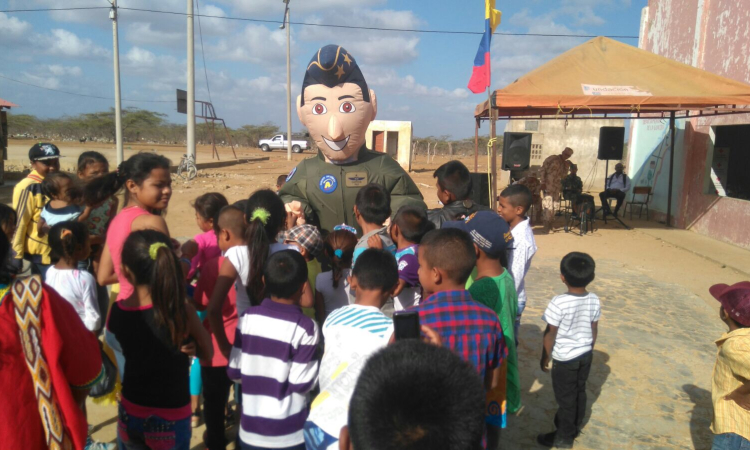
x=195 y=420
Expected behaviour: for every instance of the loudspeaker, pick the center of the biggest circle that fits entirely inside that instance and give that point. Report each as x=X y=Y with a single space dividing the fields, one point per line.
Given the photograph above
x=516 y=151
x=480 y=189
x=611 y=142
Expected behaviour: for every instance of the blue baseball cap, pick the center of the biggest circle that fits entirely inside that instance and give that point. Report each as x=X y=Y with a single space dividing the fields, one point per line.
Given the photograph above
x=489 y=231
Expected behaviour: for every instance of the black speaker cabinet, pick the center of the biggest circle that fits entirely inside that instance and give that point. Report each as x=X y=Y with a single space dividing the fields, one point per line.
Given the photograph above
x=480 y=190
x=516 y=151
x=611 y=143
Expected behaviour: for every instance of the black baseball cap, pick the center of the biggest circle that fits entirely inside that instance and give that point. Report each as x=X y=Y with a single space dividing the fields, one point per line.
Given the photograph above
x=487 y=229
x=43 y=151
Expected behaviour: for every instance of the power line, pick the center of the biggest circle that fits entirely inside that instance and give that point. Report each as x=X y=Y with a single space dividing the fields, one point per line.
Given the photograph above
x=82 y=95
x=324 y=25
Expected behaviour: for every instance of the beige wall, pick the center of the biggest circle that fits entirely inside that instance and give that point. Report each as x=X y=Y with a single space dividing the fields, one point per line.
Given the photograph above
x=397 y=134
x=552 y=136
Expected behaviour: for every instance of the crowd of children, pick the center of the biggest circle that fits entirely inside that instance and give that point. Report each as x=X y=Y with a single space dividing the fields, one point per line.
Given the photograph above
x=295 y=318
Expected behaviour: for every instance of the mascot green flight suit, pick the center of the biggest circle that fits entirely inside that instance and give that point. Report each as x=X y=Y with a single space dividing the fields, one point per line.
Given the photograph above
x=336 y=107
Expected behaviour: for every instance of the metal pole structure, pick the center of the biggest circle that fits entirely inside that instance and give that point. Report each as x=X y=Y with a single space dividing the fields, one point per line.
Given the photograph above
x=476 y=146
x=671 y=166
x=493 y=160
x=190 y=82
x=288 y=81
x=118 y=102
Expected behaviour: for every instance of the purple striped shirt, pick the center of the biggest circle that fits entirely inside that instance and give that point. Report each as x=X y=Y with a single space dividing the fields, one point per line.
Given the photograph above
x=274 y=358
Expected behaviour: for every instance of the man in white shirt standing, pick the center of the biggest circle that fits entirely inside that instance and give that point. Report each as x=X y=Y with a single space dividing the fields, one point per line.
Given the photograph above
x=616 y=186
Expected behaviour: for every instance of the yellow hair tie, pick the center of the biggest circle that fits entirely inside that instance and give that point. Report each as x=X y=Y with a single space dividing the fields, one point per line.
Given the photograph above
x=262 y=214
x=153 y=250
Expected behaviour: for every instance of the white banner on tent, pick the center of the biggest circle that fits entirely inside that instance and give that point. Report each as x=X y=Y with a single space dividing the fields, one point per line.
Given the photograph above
x=597 y=89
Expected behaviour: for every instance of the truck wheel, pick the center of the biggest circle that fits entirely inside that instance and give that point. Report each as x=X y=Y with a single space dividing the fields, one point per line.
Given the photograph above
x=265 y=148
x=296 y=149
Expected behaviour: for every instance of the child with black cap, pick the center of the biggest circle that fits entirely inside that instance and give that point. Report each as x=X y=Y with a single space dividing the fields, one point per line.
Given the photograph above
x=730 y=386
x=494 y=287
x=29 y=201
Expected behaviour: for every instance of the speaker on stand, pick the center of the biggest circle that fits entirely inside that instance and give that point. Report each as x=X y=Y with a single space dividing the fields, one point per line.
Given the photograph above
x=516 y=151
x=611 y=146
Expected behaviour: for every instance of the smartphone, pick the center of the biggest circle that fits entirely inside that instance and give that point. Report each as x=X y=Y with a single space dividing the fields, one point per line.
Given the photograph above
x=406 y=325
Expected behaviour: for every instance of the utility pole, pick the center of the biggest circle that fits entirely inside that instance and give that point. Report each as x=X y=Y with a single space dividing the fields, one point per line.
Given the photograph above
x=118 y=102
x=285 y=23
x=190 y=82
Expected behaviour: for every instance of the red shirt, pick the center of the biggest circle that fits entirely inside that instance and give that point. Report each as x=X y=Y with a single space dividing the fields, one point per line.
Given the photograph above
x=73 y=358
x=202 y=295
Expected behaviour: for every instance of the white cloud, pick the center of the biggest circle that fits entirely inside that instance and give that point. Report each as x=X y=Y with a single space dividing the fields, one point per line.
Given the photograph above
x=163 y=72
x=369 y=46
x=391 y=82
x=59 y=70
x=255 y=43
x=275 y=8
x=65 y=43
x=45 y=81
x=12 y=29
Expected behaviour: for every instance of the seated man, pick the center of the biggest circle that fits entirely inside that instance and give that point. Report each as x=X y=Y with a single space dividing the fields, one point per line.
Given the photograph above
x=572 y=187
x=616 y=186
x=453 y=190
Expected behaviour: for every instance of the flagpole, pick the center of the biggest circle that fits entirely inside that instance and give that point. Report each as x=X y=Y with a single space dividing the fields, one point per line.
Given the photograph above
x=493 y=156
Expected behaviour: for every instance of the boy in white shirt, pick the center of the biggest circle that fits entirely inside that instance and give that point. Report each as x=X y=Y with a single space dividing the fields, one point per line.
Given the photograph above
x=352 y=334
x=513 y=204
x=572 y=326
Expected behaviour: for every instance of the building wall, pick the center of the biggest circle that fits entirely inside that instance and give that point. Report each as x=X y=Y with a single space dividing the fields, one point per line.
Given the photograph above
x=711 y=35
x=397 y=142
x=552 y=136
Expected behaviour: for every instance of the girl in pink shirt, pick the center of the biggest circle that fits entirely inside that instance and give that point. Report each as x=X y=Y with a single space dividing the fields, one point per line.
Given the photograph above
x=204 y=246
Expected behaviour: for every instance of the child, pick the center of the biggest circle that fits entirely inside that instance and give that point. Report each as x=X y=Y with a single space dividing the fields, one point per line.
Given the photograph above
x=63 y=202
x=409 y=227
x=332 y=288
x=204 y=247
x=229 y=228
x=454 y=185
x=280 y=182
x=412 y=395
x=93 y=165
x=494 y=287
x=372 y=208
x=70 y=244
x=8 y=221
x=274 y=356
x=28 y=201
x=308 y=240
x=150 y=325
x=572 y=326
x=352 y=333
x=513 y=204
x=148 y=186
x=731 y=376
x=472 y=330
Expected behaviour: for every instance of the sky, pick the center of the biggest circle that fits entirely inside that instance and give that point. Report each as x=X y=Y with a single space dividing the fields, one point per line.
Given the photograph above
x=420 y=77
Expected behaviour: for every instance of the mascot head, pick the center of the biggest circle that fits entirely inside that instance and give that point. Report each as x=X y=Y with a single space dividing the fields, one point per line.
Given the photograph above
x=336 y=106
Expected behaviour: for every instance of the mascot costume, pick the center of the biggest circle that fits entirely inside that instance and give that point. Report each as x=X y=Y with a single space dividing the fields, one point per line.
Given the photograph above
x=336 y=107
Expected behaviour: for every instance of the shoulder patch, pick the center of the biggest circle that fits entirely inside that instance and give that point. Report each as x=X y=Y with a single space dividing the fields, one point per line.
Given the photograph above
x=291 y=174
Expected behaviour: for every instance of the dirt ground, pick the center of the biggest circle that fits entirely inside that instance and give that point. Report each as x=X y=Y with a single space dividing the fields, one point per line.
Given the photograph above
x=626 y=255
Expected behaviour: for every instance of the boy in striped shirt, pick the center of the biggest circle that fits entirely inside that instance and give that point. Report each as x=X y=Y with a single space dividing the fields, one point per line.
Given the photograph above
x=274 y=356
x=572 y=325
x=352 y=334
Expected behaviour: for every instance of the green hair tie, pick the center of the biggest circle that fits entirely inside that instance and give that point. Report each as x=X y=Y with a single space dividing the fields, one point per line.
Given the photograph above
x=153 y=250
x=262 y=214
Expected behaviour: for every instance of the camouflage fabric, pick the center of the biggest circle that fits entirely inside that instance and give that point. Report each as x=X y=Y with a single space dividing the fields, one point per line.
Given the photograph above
x=551 y=175
x=534 y=185
x=571 y=186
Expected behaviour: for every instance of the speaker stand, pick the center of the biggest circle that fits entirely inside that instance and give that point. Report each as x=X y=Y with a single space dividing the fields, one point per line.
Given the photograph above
x=605 y=208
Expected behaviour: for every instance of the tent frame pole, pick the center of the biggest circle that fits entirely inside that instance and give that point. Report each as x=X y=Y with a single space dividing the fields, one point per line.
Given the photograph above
x=476 y=146
x=493 y=156
x=671 y=166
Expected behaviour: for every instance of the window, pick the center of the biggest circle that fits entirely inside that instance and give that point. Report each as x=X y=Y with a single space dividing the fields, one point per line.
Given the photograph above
x=730 y=162
x=532 y=125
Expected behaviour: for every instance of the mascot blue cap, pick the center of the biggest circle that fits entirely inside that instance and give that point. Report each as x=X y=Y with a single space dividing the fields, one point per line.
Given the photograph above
x=333 y=65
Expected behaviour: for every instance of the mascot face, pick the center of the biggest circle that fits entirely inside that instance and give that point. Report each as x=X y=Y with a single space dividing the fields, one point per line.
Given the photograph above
x=336 y=106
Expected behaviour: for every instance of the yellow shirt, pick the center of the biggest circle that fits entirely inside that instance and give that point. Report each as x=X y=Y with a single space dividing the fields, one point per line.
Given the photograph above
x=732 y=369
x=28 y=202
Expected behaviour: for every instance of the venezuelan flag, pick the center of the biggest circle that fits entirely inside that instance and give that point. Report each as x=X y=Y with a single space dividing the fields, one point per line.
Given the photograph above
x=480 y=76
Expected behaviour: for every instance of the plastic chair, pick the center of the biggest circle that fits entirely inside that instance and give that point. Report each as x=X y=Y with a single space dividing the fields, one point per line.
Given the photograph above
x=644 y=196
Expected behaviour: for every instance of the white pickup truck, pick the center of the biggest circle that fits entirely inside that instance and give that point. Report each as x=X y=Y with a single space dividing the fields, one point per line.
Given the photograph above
x=280 y=141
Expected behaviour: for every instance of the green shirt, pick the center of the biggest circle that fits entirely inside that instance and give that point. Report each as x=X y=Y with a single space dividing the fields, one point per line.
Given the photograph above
x=327 y=191
x=499 y=293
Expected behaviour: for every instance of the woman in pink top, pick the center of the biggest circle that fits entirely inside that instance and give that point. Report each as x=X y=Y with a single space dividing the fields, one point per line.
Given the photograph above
x=148 y=187
x=204 y=246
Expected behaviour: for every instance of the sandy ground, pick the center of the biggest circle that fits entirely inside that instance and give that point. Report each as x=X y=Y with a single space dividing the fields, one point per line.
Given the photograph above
x=627 y=255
